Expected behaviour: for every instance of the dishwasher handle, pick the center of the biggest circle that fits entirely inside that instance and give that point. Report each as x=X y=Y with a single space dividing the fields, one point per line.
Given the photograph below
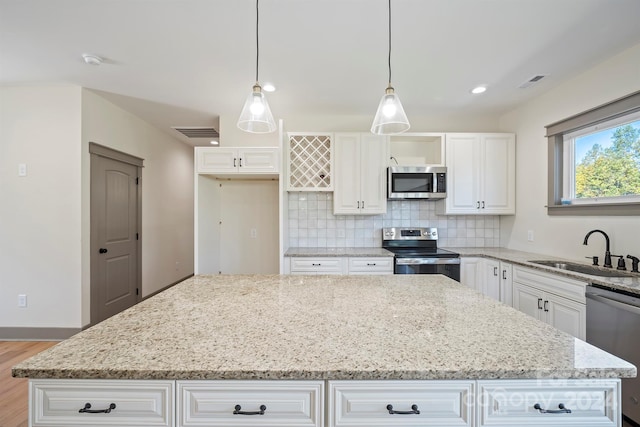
x=613 y=303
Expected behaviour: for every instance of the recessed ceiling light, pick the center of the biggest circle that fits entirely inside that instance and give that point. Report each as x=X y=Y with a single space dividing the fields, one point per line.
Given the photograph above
x=91 y=59
x=478 y=89
x=268 y=87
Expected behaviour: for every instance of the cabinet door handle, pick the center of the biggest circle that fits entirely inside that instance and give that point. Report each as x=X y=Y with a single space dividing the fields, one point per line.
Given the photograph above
x=478 y=207
x=495 y=271
x=241 y=166
x=539 y=301
x=363 y=204
x=237 y=411
x=546 y=306
x=562 y=409
x=234 y=162
x=483 y=204
x=87 y=409
x=504 y=274
x=414 y=410
x=358 y=204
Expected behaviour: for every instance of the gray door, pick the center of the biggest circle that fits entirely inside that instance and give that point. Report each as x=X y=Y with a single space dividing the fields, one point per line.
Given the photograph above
x=114 y=237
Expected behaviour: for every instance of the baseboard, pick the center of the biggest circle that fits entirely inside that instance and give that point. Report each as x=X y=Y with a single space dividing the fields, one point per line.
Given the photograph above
x=36 y=334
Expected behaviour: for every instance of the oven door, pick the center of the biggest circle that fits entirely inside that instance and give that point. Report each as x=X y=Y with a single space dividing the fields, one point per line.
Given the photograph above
x=449 y=267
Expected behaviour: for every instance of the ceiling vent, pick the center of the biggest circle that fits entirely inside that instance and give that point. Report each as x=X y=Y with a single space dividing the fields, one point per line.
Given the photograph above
x=533 y=80
x=198 y=132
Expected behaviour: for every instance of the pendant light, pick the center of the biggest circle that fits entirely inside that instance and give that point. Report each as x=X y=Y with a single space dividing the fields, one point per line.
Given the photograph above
x=390 y=118
x=256 y=115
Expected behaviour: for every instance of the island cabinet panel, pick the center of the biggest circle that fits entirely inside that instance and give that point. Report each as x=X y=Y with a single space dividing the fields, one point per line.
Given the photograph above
x=250 y=403
x=424 y=403
x=132 y=402
x=540 y=403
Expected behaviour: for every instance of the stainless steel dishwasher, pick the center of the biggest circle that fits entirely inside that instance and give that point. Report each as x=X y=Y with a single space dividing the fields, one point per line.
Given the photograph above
x=613 y=324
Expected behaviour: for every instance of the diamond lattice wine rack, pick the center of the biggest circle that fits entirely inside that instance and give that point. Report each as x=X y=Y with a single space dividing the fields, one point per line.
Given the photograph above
x=310 y=162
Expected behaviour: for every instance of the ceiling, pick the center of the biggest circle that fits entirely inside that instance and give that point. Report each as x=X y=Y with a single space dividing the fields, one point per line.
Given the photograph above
x=187 y=62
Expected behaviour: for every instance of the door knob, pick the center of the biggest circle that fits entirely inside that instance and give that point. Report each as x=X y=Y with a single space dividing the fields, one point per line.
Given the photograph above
x=103 y=250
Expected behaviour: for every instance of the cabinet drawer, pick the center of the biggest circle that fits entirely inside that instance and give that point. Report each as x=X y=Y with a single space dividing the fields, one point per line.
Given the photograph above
x=365 y=403
x=553 y=283
x=137 y=403
x=286 y=403
x=513 y=403
x=322 y=265
x=370 y=265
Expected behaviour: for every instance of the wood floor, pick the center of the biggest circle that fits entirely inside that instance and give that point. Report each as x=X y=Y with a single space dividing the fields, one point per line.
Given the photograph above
x=13 y=391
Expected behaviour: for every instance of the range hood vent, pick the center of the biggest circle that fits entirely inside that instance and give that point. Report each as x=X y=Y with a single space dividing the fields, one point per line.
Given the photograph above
x=198 y=132
x=533 y=80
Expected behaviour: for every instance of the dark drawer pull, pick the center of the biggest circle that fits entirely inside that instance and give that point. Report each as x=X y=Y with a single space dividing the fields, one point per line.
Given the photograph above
x=562 y=409
x=87 y=409
x=238 y=411
x=414 y=410
x=316 y=265
x=371 y=264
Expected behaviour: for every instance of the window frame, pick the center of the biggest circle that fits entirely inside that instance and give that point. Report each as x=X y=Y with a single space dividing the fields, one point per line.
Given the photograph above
x=624 y=106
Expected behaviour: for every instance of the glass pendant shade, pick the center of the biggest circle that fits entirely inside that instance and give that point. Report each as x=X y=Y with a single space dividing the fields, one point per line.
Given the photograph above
x=256 y=115
x=390 y=118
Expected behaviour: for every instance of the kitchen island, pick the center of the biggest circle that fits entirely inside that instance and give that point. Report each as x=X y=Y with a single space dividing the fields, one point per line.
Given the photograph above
x=338 y=333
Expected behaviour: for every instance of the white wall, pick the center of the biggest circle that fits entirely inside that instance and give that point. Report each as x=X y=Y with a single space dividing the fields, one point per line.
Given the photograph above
x=554 y=235
x=167 y=191
x=40 y=240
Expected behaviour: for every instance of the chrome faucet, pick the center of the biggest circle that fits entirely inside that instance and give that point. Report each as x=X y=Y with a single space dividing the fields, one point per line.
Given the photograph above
x=607 y=253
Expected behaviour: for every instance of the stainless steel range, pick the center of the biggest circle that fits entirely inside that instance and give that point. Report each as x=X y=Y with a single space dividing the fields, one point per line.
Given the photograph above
x=416 y=252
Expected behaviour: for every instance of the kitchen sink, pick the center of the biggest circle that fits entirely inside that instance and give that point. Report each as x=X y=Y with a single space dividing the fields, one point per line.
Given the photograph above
x=582 y=268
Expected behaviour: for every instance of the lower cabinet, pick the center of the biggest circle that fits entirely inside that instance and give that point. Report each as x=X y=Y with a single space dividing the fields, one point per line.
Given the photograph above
x=91 y=403
x=250 y=403
x=558 y=301
x=351 y=403
x=338 y=265
x=488 y=276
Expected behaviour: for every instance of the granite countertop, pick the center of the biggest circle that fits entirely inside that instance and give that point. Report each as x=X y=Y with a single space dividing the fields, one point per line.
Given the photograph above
x=338 y=252
x=323 y=328
x=629 y=282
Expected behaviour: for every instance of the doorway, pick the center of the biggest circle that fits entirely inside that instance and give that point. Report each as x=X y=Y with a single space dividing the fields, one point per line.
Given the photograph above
x=116 y=221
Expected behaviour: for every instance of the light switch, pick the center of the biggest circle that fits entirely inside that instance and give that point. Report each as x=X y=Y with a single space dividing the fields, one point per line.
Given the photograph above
x=22 y=169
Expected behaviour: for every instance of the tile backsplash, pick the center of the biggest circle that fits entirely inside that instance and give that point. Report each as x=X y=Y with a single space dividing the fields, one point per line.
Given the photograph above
x=312 y=224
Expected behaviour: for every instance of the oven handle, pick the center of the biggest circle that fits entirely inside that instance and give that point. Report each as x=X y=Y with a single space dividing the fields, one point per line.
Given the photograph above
x=421 y=261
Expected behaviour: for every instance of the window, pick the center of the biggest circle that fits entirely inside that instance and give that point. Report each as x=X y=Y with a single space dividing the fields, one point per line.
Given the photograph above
x=594 y=161
x=601 y=164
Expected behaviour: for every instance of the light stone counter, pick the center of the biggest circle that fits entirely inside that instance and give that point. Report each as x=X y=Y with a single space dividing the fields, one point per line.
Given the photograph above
x=322 y=327
x=338 y=252
x=629 y=283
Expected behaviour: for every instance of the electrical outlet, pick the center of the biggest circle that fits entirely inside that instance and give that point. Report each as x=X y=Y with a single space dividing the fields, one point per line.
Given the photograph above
x=254 y=233
x=530 y=235
x=22 y=300
x=177 y=266
x=22 y=169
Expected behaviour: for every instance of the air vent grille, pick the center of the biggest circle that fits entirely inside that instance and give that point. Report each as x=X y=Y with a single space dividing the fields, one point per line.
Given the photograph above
x=533 y=80
x=198 y=132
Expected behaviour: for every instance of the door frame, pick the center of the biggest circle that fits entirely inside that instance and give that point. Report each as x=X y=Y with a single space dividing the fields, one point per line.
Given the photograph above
x=102 y=151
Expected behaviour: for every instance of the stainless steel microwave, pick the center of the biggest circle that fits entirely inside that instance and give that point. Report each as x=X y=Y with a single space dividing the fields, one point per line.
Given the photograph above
x=416 y=182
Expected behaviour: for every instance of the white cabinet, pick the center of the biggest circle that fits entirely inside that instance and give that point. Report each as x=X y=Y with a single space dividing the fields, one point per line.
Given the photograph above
x=480 y=174
x=360 y=174
x=540 y=403
x=91 y=403
x=315 y=265
x=418 y=403
x=338 y=265
x=556 y=300
x=370 y=265
x=309 y=162
x=250 y=403
x=240 y=160
x=487 y=276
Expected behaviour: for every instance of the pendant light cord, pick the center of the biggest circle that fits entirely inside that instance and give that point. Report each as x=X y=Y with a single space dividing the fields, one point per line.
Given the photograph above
x=257 y=39
x=389 y=43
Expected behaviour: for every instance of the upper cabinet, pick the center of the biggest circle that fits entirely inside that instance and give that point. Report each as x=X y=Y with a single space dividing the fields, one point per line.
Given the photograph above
x=360 y=174
x=310 y=161
x=237 y=160
x=480 y=174
x=411 y=149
